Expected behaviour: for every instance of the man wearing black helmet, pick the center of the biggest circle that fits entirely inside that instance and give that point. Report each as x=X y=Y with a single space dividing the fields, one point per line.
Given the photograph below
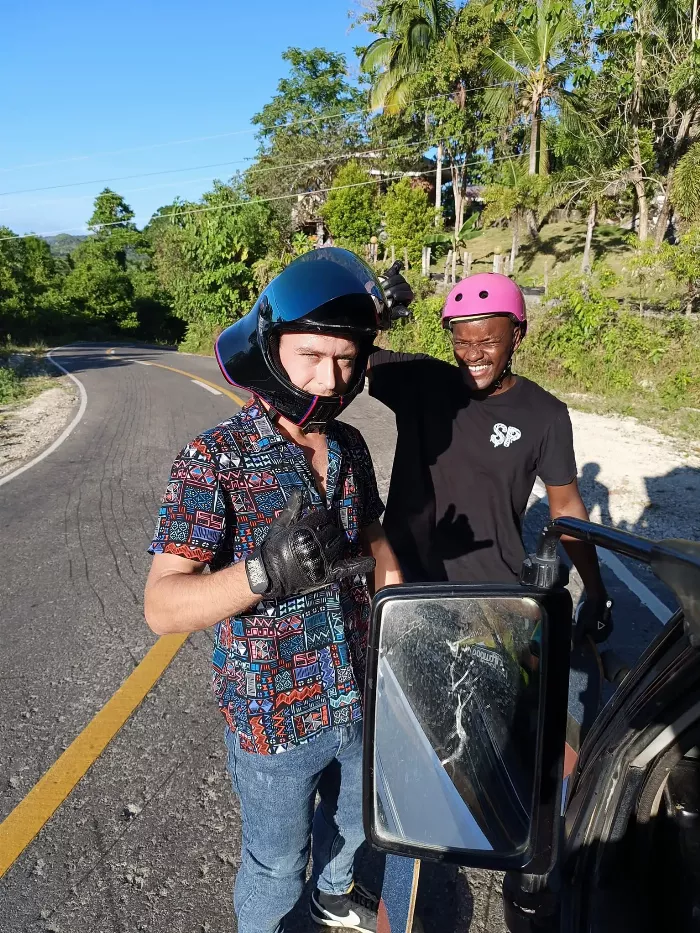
x=280 y=502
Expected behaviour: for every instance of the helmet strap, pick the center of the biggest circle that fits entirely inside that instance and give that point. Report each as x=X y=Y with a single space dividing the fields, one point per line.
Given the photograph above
x=507 y=371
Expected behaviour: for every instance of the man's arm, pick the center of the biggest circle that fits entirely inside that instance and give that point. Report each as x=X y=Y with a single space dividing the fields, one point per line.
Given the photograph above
x=180 y=598
x=387 y=571
x=567 y=501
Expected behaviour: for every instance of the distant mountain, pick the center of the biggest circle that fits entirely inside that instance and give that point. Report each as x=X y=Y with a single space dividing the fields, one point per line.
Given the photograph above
x=64 y=243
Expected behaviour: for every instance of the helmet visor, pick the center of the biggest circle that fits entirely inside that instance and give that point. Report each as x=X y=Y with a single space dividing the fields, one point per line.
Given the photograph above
x=323 y=291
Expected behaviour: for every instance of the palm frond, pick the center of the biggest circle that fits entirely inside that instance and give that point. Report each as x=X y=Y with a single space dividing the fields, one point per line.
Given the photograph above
x=517 y=48
x=378 y=54
x=399 y=94
x=383 y=88
x=500 y=101
x=418 y=39
x=500 y=68
x=685 y=193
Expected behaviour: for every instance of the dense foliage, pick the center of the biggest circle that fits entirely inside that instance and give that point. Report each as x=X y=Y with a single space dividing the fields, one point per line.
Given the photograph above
x=464 y=119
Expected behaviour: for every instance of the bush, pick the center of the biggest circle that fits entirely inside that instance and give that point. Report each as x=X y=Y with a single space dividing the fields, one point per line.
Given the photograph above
x=200 y=338
x=408 y=218
x=351 y=214
x=10 y=385
x=585 y=342
x=423 y=332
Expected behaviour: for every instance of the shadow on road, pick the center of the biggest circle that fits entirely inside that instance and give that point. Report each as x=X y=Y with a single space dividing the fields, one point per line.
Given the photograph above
x=77 y=358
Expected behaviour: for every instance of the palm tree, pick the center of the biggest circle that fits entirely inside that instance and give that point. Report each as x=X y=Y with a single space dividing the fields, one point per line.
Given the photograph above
x=676 y=26
x=534 y=63
x=409 y=31
x=596 y=169
x=517 y=195
x=685 y=192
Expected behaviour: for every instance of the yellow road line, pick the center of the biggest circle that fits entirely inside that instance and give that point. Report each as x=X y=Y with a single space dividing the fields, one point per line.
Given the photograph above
x=42 y=801
x=182 y=372
x=214 y=385
x=31 y=814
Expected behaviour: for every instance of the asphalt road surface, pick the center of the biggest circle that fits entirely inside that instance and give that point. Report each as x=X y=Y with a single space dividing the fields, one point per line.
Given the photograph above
x=149 y=838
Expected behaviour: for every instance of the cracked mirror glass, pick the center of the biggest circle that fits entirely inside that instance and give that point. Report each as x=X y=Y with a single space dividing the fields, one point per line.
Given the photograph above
x=456 y=721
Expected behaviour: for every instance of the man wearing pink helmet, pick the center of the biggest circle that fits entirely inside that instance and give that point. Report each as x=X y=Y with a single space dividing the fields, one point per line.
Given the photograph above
x=472 y=439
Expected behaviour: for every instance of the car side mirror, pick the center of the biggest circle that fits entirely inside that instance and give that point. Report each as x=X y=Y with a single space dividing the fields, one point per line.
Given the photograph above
x=465 y=717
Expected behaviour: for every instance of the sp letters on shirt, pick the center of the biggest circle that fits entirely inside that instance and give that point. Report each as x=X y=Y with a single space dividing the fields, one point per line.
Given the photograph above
x=503 y=435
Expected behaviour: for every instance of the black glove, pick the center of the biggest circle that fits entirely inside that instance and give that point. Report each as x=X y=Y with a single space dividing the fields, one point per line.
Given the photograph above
x=594 y=618
x=301 y=554
x=397 y=291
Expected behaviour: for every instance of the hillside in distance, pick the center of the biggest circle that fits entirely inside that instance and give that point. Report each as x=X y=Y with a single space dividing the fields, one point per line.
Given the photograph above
x=63 y=244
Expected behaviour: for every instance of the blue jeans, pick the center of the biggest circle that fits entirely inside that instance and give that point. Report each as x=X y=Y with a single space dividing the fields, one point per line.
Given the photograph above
x=278 y=795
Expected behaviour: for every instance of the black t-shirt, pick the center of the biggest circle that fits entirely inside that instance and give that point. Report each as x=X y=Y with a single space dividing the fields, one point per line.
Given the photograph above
x=464 y=468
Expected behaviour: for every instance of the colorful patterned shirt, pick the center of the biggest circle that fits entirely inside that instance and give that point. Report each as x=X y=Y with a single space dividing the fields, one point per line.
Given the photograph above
x=294 y=667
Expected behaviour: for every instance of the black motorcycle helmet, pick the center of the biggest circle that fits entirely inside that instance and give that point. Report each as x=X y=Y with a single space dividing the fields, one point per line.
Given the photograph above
x=328 y=290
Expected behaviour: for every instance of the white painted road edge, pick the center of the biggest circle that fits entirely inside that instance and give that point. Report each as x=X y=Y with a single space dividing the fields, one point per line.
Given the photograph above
x=66 y=432
x=642 y=592
x=203 y=385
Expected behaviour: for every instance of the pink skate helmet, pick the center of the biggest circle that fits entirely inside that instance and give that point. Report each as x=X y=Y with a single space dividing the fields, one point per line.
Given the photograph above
x=484 y=294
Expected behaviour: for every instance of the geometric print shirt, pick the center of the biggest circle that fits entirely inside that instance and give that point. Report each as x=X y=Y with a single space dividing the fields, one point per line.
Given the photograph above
x=290 y=668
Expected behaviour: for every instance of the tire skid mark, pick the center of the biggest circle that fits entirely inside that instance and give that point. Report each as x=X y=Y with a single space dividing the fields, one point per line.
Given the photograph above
x=97 y=596
x=106 y=481
x=155 y=795
x=97 y=445
x=123 y=441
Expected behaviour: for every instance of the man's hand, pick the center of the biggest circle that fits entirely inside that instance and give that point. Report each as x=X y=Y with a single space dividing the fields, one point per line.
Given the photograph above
x=301 y=554
x=397 y=291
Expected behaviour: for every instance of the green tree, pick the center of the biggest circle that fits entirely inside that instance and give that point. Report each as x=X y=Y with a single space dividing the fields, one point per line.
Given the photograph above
x=30 y=286
x=408 y=217
x=677 y=25
x=594 y=170
x=534 y=61
x=112 y=224
x=631 y=86
x=409 y=32
x=313 y=123
x=99 y=286
x=351 y=212
x=110 y=210
x=683 y=262
x=205 y=258
x=437 y=102
x=516 y=194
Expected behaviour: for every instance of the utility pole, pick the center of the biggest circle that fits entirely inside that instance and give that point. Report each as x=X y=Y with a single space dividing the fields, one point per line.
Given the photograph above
x=438 y=185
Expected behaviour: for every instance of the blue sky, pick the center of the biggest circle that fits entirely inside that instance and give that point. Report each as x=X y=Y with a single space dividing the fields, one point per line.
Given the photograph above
x=89 y=79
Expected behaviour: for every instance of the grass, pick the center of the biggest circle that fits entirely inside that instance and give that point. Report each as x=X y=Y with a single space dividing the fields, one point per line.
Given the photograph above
x=24 y=374
x=644 y=367
x=561 y=246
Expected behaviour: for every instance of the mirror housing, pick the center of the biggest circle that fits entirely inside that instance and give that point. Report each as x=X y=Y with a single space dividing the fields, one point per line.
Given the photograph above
x=402 y=689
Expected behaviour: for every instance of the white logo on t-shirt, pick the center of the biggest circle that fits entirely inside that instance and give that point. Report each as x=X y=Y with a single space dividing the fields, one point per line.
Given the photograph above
x=504 y=435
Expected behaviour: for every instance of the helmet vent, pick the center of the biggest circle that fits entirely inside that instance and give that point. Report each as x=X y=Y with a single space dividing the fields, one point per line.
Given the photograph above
x=483 y=295
x=458 y=297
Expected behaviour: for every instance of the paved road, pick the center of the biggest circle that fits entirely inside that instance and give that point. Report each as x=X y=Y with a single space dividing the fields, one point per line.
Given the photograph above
x=149 y=839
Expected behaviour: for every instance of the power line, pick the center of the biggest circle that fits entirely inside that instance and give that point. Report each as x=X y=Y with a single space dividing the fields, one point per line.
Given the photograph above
x=196 y=168
x=238 y=204
x=221 y=207
x=243 y=132
x=425 y=143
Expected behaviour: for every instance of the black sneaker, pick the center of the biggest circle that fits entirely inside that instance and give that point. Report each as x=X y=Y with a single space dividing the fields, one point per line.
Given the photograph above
x=341 y=911
x=359 y=894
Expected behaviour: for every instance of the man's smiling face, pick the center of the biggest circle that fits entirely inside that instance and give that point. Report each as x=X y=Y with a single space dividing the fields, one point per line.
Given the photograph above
x=483 y=346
